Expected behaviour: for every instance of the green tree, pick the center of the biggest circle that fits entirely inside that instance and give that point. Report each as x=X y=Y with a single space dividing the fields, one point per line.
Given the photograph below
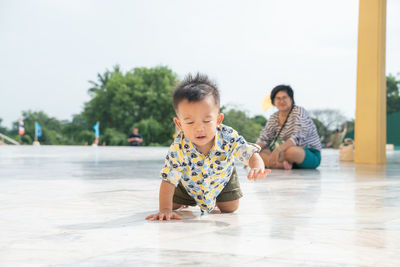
x=350 y=129
x=3 y=129
x=51 y=129
x=323 y=131
x=77 y=130
x=393 y=97
x=152 y=132
x=85 y=136
x=113 y=138
x=260 y=119
x=247 y=127
x=120 y=101
x=330 y=118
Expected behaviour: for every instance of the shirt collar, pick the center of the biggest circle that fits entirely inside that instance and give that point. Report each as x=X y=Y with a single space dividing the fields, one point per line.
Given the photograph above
x=218 y=141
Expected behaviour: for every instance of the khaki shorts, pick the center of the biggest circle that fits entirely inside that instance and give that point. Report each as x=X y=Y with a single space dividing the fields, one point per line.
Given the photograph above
x=230 y=192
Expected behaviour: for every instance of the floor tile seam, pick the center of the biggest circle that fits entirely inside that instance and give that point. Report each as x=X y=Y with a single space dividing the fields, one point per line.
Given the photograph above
x=141 y=247
x=328 y=262
x=252 y=254
x=197 y=234
x=346 y=247
x=73 y=251
x=253 y=261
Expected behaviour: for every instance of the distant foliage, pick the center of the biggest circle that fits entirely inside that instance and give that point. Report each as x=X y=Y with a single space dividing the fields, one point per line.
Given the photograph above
x=248 y=127
x=393 y=96
x=350 y=129
x=84 y=137
x=142 y=98
x=114 y=138
x=260 y=119
x=135 y=98
x=330 y=118
x=156 y=132
x=51 y=129
x=323 y=131
x=335 y=120
x=3 y=129
x=78 y=131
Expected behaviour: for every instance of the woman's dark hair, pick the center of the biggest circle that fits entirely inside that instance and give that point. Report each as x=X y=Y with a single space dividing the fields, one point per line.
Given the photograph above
x=285 y=88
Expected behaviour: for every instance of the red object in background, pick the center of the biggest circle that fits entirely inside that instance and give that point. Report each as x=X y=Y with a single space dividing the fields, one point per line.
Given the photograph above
x=21 y=128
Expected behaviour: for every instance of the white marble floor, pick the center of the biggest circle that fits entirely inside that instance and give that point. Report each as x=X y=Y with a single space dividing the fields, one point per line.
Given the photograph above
x=85 y=206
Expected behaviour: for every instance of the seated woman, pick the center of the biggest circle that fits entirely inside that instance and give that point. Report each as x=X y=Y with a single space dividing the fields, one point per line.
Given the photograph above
x=289 y=139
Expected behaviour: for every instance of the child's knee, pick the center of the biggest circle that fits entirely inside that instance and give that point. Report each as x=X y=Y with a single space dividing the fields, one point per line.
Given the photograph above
x=229 y=206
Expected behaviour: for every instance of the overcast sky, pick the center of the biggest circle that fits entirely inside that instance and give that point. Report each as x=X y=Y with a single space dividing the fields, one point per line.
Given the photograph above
x=50 y=49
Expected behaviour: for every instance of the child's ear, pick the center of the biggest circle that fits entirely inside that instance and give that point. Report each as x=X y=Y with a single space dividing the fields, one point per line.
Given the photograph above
x=220 y=118
x=178 y=123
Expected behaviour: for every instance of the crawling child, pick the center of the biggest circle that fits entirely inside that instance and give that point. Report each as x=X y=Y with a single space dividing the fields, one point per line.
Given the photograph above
x=199 y=167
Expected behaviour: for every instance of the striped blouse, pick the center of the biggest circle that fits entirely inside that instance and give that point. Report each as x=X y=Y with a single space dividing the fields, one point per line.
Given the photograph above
x=299 y=128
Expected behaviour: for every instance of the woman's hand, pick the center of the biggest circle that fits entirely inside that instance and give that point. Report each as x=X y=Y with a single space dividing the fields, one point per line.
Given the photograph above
x=274 y=158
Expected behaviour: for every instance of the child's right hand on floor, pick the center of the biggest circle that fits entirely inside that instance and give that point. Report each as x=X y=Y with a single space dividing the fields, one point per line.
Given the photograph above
x=164 y=215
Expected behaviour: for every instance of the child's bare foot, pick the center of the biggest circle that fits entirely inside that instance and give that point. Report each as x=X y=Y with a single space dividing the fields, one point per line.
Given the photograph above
x=216 y=211
x=287 y=165
x=179 y=206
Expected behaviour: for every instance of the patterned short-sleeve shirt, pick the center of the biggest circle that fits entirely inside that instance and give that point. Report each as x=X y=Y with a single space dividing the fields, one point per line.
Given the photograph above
x=204 y=176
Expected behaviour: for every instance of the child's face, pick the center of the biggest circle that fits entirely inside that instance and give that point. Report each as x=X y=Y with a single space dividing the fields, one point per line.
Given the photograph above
x=199 y=121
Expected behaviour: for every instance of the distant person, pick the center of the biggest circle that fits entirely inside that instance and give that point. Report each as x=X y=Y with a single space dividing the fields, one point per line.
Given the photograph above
x=96 y=142
x=290 y=138
x=135 y=139
x=199 y=167
x=337 y=138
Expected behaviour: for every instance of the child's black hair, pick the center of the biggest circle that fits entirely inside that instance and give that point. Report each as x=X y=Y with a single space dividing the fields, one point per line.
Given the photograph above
x=195 y=89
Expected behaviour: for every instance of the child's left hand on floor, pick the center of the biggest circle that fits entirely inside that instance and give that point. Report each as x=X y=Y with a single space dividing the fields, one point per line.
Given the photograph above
x=258 y=174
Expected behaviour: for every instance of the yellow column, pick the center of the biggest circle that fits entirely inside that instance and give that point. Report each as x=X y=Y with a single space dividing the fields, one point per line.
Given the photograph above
x=370 y=123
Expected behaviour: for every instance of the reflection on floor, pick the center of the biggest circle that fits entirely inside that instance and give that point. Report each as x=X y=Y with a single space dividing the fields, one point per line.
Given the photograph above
x=85 y=206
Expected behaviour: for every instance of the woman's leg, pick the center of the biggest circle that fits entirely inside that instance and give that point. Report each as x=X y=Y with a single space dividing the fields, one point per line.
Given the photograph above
x=266 y=157
x=294 y=154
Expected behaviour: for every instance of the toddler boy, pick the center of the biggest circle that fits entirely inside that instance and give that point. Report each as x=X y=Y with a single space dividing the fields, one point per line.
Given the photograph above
x=199 y=167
